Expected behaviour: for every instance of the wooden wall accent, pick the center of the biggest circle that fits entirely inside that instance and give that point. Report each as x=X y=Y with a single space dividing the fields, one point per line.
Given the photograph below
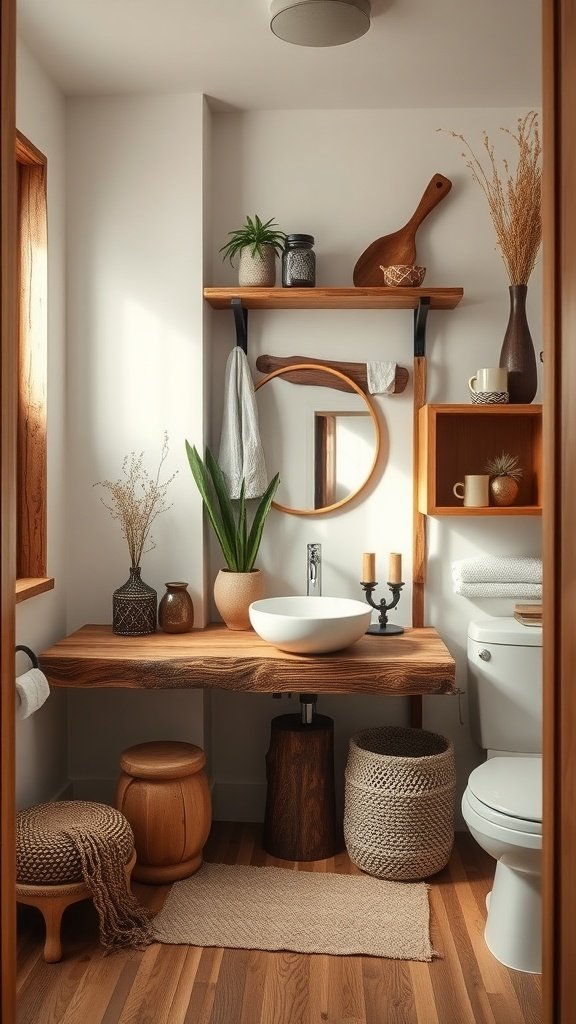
x=33 y=362
x=8 y=382
x=559 y=222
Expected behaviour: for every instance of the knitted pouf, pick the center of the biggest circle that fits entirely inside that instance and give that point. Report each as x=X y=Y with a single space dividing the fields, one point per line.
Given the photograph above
x=399 y=802
x=80 y=847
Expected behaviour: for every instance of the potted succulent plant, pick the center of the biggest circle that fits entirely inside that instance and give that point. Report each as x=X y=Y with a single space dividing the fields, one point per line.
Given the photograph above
x=239 y=583
x=505 y=474
x=258 y=243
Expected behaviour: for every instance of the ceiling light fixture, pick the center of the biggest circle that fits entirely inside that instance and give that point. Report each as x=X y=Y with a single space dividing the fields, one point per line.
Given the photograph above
x=319 y=22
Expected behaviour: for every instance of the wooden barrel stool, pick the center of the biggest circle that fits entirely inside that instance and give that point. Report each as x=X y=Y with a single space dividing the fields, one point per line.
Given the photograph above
x=163 y=791
x=75 y=850
x=300 y=818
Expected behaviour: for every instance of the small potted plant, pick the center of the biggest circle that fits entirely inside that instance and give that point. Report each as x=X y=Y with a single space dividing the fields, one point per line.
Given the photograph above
x=505 y=474
x=258 y=244
x=240 y=583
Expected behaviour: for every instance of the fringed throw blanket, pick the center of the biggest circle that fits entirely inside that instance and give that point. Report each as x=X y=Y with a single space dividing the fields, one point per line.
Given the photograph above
x=72 y=841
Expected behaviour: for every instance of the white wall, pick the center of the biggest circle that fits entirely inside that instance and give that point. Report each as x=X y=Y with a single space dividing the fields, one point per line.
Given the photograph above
x=145 y=354
x=135 y=369
x=347 y=177
x=41 y=755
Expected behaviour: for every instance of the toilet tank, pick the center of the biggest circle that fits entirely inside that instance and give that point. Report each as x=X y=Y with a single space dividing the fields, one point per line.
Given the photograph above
x=505 y=685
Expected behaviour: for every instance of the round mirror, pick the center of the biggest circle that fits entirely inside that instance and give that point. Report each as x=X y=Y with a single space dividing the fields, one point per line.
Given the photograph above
x=326 y=441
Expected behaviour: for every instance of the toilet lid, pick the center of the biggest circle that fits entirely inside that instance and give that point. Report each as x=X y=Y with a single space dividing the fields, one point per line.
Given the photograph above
x=511 y=786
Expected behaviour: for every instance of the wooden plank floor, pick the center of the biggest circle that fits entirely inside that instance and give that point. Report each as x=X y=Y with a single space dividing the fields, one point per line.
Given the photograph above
x=189 y=985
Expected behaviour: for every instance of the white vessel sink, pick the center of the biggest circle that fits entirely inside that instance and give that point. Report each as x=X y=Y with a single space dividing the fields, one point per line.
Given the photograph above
x=310 y=625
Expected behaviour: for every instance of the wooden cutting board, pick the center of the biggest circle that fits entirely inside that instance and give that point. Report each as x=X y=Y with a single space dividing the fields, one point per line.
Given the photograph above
x=400 y=246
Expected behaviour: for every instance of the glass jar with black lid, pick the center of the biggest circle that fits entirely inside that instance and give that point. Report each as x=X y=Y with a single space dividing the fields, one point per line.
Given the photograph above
x=299 y=262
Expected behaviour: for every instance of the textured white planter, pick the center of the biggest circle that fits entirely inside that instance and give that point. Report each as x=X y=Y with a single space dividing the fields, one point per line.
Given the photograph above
x=257 y=271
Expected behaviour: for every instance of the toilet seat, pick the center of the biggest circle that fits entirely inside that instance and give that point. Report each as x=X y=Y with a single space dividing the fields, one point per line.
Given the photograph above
x=512 y=785
x=508 y=791
x=507 y=821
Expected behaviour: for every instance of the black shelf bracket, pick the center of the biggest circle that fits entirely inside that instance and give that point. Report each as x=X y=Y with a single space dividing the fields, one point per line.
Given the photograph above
x=420 y=317
x=241 y=322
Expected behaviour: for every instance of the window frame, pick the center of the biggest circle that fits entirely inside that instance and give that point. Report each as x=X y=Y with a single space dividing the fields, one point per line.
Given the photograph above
x=31 y=460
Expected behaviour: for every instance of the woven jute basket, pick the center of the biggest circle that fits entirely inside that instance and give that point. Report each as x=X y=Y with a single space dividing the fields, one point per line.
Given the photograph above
x=399 y=802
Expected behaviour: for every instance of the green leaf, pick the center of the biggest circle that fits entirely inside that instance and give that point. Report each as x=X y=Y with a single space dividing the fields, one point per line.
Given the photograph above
x=203 y=482
x=262 y=511
x=230 y=525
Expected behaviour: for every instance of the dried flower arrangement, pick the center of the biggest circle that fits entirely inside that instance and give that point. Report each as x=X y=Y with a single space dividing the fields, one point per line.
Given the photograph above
x=136 y=501
x=504 y=465
x=514 y=197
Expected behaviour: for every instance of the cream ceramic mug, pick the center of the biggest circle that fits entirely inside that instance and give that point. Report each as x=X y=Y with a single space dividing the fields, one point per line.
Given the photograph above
x=474 y=491
x=492 y=378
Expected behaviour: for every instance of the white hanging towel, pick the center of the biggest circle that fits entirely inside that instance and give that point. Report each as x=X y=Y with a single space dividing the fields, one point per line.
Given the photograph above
x=241 y=454
x=33 y=690
x=381 y=377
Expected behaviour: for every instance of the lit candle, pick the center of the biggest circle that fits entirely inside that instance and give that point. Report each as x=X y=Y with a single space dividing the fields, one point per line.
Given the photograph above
x=368 y=567
x=395 y=569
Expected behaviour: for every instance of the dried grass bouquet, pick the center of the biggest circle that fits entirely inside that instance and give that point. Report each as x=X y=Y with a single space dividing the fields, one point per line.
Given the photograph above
x=136 y=499
x=514 y=196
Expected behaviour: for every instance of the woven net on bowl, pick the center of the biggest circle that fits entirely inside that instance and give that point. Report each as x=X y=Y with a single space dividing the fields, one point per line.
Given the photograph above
x=399 y=802
x=76 y=840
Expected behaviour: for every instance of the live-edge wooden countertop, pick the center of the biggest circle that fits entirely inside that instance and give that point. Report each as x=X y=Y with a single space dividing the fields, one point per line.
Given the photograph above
x=417 y=662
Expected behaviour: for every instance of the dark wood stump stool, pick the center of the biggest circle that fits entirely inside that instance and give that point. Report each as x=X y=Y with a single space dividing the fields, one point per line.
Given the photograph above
x=300 y=819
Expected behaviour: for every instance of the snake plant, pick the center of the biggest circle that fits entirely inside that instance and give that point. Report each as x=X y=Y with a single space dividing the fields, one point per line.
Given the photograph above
x=229 y=517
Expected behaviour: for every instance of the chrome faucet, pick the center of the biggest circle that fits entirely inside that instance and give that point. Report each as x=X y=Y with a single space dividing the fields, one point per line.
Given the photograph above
x=314 y=570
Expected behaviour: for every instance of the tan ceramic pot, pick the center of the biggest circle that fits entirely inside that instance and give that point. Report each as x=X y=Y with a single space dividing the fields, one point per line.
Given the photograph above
x=503 y=490
x=234 y=592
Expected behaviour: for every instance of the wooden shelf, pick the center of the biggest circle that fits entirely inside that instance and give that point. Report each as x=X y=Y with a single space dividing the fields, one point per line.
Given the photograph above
x=333 y=298
x=458 y=439
x=418 y=662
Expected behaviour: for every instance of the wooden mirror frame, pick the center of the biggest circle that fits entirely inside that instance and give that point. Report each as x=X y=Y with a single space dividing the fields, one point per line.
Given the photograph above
x=284 y=371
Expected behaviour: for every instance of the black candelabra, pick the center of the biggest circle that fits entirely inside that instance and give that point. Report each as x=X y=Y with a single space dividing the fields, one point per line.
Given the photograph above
x=383 y=627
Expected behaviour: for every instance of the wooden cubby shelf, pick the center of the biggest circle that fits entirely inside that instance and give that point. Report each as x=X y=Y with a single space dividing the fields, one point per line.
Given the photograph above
x=458 y=439
x=333 y=298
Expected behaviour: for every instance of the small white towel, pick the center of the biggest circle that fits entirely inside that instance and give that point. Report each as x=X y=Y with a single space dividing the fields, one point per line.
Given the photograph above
x=497 y=569
x=381 y=378
x=32 y=689
x=241 y=455
x=532 y=591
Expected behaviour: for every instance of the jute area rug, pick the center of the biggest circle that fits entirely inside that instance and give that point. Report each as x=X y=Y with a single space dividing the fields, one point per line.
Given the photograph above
x=273 y=908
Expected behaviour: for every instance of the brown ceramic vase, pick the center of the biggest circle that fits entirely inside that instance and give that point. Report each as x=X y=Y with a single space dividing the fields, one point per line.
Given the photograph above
x=176 y=611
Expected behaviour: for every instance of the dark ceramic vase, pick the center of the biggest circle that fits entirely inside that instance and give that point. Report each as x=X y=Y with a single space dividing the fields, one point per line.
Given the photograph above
x=134 y=607
x=176 y=611
x=517 y=354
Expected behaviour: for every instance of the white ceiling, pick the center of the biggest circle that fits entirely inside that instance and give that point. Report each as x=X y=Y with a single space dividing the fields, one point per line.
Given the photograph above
x=417 y=53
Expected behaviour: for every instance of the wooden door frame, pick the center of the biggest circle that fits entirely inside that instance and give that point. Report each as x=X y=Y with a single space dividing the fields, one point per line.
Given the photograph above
x=8 y=393
x=559 y=544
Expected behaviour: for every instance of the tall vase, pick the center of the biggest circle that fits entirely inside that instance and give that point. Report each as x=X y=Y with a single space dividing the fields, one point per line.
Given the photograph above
x=134 y=607
x=517 y=353
x=234 y=592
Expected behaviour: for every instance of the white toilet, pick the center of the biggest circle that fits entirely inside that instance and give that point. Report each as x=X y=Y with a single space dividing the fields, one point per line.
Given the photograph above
x=502 y=804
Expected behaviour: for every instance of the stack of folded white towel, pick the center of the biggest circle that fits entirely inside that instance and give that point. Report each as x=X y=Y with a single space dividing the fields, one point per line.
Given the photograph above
x=498 y=576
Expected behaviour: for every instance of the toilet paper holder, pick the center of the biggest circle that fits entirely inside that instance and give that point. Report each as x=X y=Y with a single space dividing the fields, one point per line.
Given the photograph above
x=29 y=652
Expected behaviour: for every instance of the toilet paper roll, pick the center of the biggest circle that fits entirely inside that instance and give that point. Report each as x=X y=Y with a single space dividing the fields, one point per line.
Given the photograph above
x=32 y=689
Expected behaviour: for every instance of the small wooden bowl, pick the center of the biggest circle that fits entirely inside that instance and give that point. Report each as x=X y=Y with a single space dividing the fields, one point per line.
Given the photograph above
x=403 y=276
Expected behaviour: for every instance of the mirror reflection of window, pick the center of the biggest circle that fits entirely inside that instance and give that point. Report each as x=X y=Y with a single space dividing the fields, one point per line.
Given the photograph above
x=324 y=457
x=343 y=454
